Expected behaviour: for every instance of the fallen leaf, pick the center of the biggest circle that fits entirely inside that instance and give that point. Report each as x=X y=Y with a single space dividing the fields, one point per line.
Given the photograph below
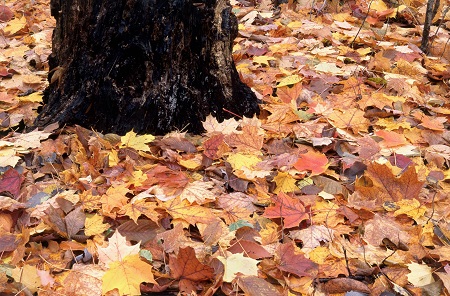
x=292 y=261
x=11 y=182
x=420 y=274
x=186 y=268
x=132 y=140
x=118 y=248
x=290 y=209
x=315 y=162
x=237 y=263
x=126 y=275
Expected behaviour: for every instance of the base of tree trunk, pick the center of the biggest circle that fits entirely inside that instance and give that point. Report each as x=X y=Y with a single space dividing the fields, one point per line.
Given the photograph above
x=148 y=65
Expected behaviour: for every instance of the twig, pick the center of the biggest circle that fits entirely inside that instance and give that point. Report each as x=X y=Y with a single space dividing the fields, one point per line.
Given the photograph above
x=362 y=24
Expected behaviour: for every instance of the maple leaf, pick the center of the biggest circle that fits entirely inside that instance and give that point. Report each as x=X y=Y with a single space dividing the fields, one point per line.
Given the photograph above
x=226 y=127
x=198 y=192
x=132 y=140
x=137 y=207
x=289 y=260
x=250 y=140
x=385 y=186
x=313 y=235
x=11 y=181
x=182 y=209
x=28 y=276
x=186 y=268
x=127 y=275
x=31 y=139
x=315 y=162
x=94 y=225
x=391 y=139
x=117 y=249
x=420 y=275
x=290 y=209
x=237 y=263
x=285 y=183
x=114 y=200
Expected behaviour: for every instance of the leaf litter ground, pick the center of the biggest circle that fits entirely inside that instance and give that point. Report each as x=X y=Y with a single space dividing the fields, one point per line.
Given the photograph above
x=341 y=184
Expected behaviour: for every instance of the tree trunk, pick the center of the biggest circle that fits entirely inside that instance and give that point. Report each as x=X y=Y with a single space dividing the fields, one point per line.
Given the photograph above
x=148 y=65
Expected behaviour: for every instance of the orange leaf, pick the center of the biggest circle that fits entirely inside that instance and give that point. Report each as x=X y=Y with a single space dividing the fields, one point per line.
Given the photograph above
x=291 y=209
x=391 y=139
x=382 y=185
x=186 y=267
x=248 y=141
x=182 y=209
x=315 y=162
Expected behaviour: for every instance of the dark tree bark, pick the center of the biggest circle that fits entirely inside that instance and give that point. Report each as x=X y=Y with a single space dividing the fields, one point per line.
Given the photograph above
x=148 y=65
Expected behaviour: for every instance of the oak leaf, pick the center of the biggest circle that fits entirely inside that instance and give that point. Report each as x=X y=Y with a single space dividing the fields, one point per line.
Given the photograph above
x=290 y=209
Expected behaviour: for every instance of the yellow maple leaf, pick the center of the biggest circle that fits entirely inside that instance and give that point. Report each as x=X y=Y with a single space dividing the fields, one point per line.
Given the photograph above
x=15 y=25
x=292 y=79
x=239 y=160
x=33 y=98
x=411 y=208
x=28 y=276
x=94 y=225
x=132 y=140
x=285 y=183
x=135 y=208
x=199 y=192
x=127 y=275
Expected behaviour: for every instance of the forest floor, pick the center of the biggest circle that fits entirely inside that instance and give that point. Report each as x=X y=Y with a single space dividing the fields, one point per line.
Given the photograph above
x=340 y=186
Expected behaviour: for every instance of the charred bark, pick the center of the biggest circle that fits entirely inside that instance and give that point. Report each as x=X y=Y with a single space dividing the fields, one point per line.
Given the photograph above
x=148 y=65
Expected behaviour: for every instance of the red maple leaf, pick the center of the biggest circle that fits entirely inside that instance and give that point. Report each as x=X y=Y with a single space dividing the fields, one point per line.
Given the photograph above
x=291 y=209
x=11 y=181
x=295 y=263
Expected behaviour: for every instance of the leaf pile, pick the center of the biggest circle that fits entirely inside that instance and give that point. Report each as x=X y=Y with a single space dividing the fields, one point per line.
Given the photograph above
x=342 y=183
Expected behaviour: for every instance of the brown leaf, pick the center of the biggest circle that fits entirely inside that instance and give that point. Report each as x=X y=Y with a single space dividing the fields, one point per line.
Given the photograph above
x=249 y=248
x=291 y=261
x=384 y=186
x=186 y=267
x=342 y=285
x=255 y=286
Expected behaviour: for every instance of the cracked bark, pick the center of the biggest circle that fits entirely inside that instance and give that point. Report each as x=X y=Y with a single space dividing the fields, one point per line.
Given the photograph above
x=148 y=65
